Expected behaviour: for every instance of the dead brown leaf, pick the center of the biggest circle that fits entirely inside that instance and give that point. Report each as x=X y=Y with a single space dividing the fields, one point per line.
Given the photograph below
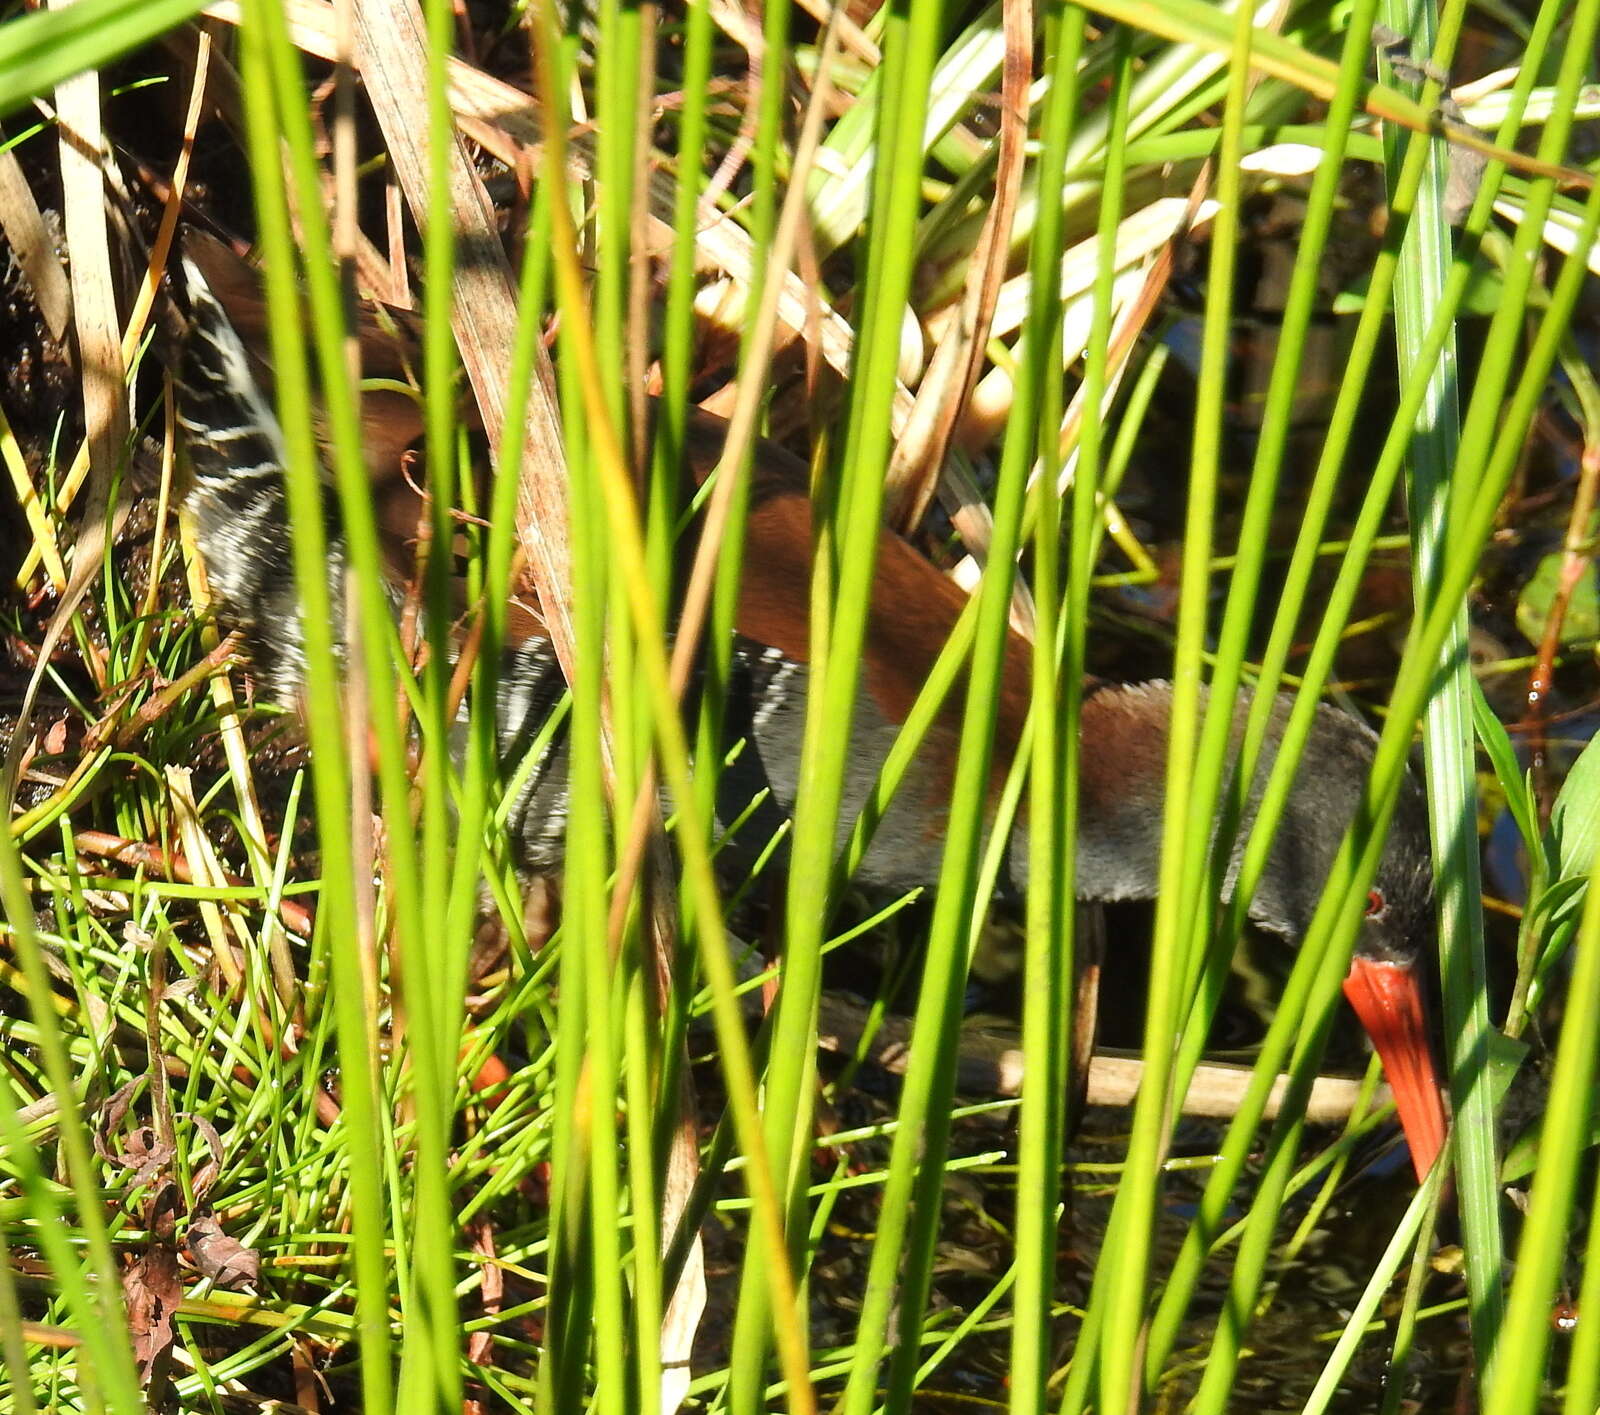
x=153 y=1292
x=206 y=1175
x=492 y=1283
x=142 y=1151
x=226 y=1261
x=152 y=1288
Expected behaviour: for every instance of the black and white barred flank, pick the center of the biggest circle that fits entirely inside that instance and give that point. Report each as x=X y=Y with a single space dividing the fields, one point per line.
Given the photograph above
x=238 y=497
x=239 y=500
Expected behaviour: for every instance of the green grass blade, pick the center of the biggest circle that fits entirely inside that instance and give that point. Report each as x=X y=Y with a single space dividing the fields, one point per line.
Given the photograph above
x=265 y=45
x=1191 y=786
x=1447 y=732
x=39 y=50
x=1046 y=1020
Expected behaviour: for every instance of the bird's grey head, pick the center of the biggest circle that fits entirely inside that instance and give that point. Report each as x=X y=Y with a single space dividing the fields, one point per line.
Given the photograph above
x=1398 y=923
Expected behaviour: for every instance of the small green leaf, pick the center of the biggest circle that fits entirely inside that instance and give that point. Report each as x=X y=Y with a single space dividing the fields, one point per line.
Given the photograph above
x=1485 y=290
x=1561 y=900
x=1581 y=620
x=1575 y=821
x=1505 y=1060
x=1506 y=1055
x=1523 y=1156
x=1503 y=758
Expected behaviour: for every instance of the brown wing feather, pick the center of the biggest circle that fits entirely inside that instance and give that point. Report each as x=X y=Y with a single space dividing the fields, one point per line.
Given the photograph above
x=914 y=607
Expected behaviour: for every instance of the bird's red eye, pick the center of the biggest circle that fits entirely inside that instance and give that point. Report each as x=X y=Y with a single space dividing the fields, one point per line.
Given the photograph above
x=1377 y=906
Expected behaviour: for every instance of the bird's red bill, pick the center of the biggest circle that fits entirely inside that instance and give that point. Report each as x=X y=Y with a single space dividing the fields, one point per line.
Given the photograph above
x=1387 y=998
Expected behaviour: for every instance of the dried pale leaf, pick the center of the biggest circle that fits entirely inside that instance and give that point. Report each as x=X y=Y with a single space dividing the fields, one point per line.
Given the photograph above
x=1485 y=109
x=721 y=303
x=101 y=363
x=83 y=209
x=131 y=337
x=33 y=247
x=919 y=453
x=989 y=406
x=1479 y=89
x=966 y=68
x=205 y=870
x=1077 y=320
x=1284 y=159
x=42 y=532
x=1139 y=236
x=484 y=309
x=686 y=1306
x=851 y=35
x=721 y=244
x=1561 y=230
x=1134 y=317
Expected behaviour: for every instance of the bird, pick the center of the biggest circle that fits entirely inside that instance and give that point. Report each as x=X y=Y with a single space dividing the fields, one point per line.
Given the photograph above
x=238 y=500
